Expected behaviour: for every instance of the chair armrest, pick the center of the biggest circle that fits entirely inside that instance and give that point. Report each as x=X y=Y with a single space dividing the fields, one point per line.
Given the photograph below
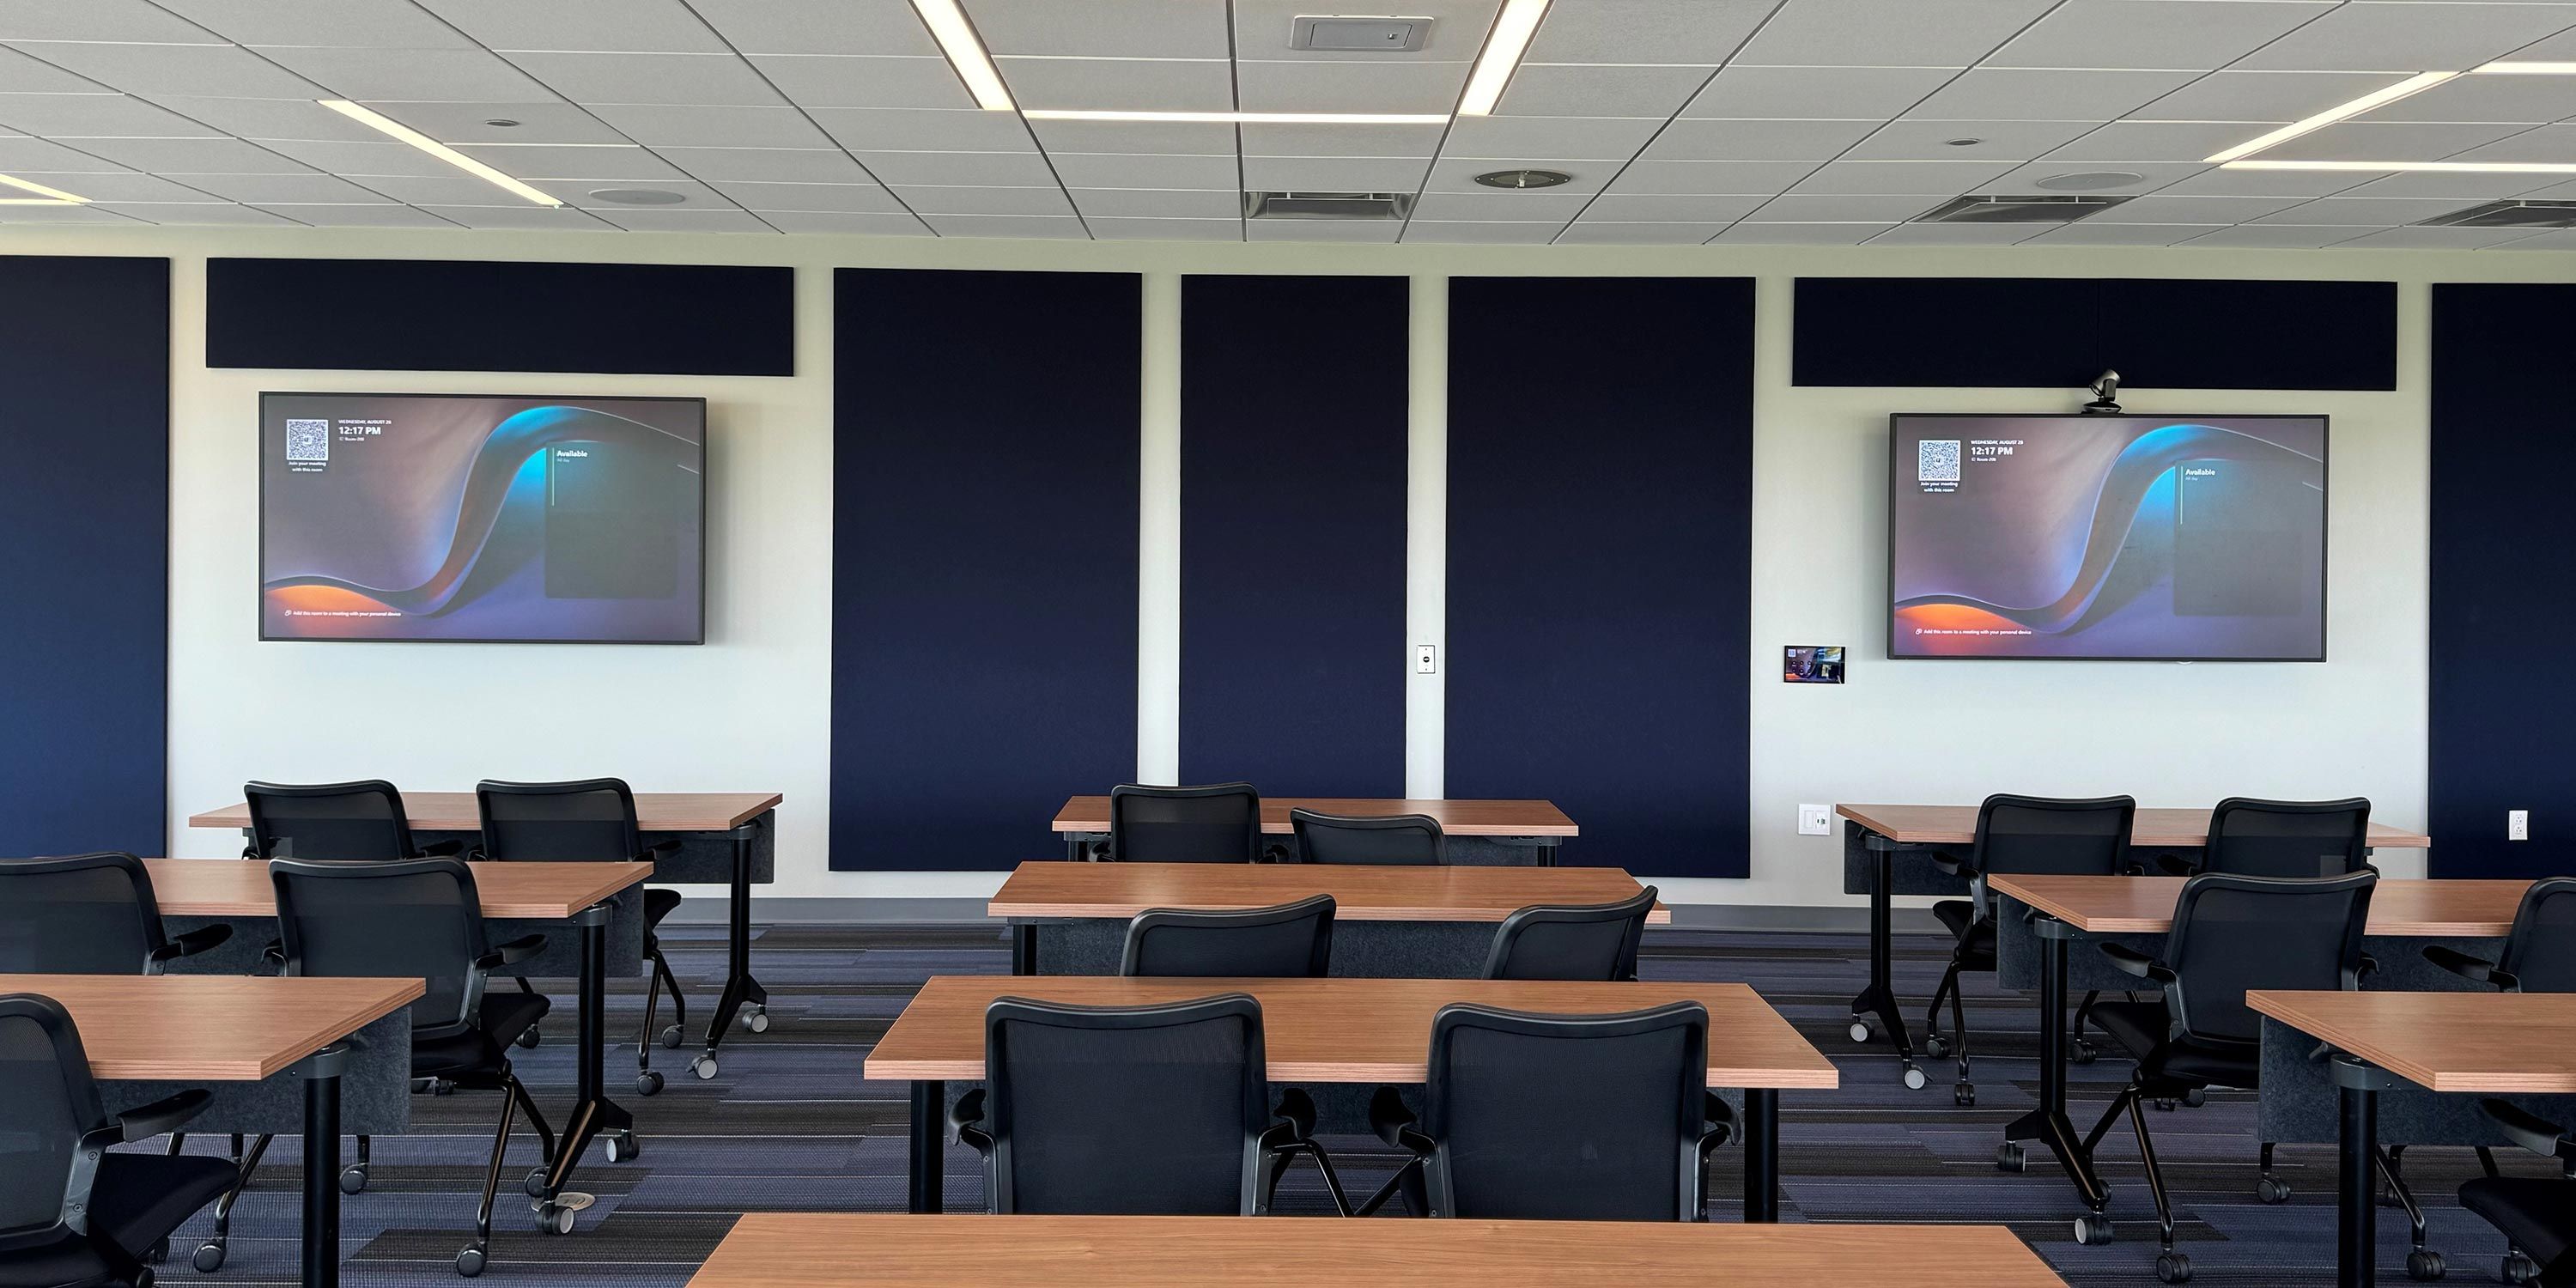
x=1952 y=865
x=1393 y=1123
x=202 y=939
x=450 y=848
x=659 y=850
x=1297 y=1109
x=162 y=1116
x=2529 y=1130
x=1273 y=854
x=2477 y=969
x=2177 y=866
x=511 y=953
x=1718 y=1118
x=2130 y=961
x=963 y=1118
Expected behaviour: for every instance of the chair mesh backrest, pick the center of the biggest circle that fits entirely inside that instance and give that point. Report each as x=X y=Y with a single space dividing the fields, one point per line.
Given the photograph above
x=2254 y=838
x=592 y=821
x=334 y=822
x=2235 y=933
x=2045 y=836
x=419 y=917
x=1390 y=840
x=1566 y=1117
x=1292 y=940
x=1144 y=1110
x=1215 y=824
x=91 y=914
x=47 y=1101
x=1580 y=941
x=2541 y=953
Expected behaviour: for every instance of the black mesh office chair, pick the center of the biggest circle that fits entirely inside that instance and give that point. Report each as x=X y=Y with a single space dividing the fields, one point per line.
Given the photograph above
x=1292 y=940
x=2259 y=838
x=2537 y=1214
x=334 y=822
x=2016 y=835
x=591 y=821
x=1220 y=823
x=88 y=914
x=1161 y=1110
x=2230 y=934
x=1386 y=840
x=1559 y=1117
x=1571 y=941
x=423 y=918
x=72 y=1214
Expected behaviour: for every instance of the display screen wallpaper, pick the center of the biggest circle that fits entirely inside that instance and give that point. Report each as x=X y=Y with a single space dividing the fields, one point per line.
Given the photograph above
x=436 y=517
x=2184 y=538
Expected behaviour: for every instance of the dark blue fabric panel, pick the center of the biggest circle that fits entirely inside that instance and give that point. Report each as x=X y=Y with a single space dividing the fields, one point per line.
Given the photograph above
x=1293 y=429
x=85 y=524
x=1600 y=547
x=2059 y=333
x=2502 y=715
x=475 y=315
x=983 y=559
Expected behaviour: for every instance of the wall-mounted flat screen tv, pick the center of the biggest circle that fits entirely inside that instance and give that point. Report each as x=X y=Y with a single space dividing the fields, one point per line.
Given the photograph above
x=2168 y=538
x=486 y=519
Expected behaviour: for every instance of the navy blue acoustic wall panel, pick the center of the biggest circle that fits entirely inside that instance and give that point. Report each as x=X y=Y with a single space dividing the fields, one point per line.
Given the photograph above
x=2503 y=682
x=983 y=558
x=2059 y=333
x=1293 y=414
x=1600 y=545
x=85 y=584
x=474 y=315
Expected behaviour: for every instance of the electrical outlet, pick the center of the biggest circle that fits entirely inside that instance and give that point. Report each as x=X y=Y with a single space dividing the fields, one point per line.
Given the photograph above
x=1426 y=659
x=2517 y=825
x=1815 y=820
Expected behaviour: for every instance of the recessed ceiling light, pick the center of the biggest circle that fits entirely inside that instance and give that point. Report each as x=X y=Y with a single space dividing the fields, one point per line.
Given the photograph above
x=638 y=196
x=375 y=121
x=966 y=52
x=2435 y=167
x=44 y=196
x=1525 y=178
x=1242 y=118
x=1968 y=142
x=502 y=122
x=2380 y=97
x=2090 y=180
x=1502 y=55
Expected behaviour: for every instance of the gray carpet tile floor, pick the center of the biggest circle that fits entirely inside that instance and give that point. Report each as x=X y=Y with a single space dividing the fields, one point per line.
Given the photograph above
x=789 y=1125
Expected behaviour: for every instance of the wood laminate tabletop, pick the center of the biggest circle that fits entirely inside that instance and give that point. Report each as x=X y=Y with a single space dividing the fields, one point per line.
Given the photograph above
x=2154 y=828
x=1348 y=1030
x=654 y=811
x=525 y=891
x=212 y=1028
x=1457 y=818
x=2498 y=1043
x=848 y=1250
x=1054 y=888
x=2145 y=905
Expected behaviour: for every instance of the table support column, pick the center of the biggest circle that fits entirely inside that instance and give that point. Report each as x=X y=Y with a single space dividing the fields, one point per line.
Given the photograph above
x=1024 y=948
x=321 y=1250
x=1761 y=1155
x=929 y=1116
x=740 y=988
x=1879 y=999
x=2357 y=1086
x=2048 y=1123
x=594 y=1114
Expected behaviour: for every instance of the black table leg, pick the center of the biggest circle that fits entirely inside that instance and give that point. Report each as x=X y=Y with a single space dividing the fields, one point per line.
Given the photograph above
x=594 y=1114
x=740 y=988
x=2048 y=1123
x=1761 y=1155
x=1024 y=948
x=929 y=1112
x=1879 y=999
x=1547 y=854
x=2356 y=1178
x=321 y=1252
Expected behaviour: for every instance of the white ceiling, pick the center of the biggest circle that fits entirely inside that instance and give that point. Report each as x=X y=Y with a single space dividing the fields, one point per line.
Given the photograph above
x=1818 y=122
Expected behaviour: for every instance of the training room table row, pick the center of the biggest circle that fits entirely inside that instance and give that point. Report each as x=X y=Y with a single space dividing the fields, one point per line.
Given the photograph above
x=1499 y=833
x=1353 y=1032
x=833 y=1250
x=726 y=838
x=1425 y=922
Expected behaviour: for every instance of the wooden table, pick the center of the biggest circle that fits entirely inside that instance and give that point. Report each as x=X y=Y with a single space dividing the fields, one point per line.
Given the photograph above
x=1113 y=893
x=2493 y=1043
x=1360 y=1031
x=834 y=1250
x=725 y=838
x=194 y=1029
x=1479 y=832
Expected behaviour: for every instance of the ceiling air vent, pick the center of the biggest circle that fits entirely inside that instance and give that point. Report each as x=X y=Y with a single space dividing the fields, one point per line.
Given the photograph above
x=2508 y=214
x=1326 y=205
x=2016 y=210
x=1358 y=34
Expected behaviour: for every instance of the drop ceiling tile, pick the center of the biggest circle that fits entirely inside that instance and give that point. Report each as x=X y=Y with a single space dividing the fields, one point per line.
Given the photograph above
x=382 y=215
x=688 y=80
x=2360 y=141
x=1120 y=170
x=521 y=215
x=27 y=156
x=1111 y=229
x=2412 y=37
x=2374 y=212
x=1334 y=174
x=2154 y=33
x=686 y=221
x=270 y=118
x=193 y=156
x=63 y=215
x=1435 y=232
x=118 y=20
x=2020 y=94
x=931 y=199
x=1707 y=32
x=1158 y=203
x=1801 y=234
x=1508 y=207
x=836 y=198
x=542 y=162
x=457 y=124
x=1709 y=178
x=2214 y=181
x=113 y=189
x=1632 y=209
x=455 y=188
x=2558 y=48
x=2093 y=232
x=379 y=76
x=1817 y=93
x=1902 y=178
x=1797 y=209
x=2164 y=141
x=2435 y=238
x=201 y=214
x=1911 y=140
x=1957 y=234
x=2161 y=209
x=1694 y=140
x=2549 y=143
x=28 y=74
x=902 y=131
x=1064 y=227
x=363 y=24
x=1556 y=89
x=2551 y=192
x=1503 y=138
x=1107 y=29
x=2273 y=98
x=1459 y=175
x=1120 y=84
x=841 y=80
x=65 y=116
x=2560 y=240
x=1312 y=86
x=1341 y=140
x=578 y=192
x=259 y=189
x=810 y=221
x=2437 y=183
x=2528 y=99
x=970 y=169
x=362 y=158
x=767 y=165
x=223 y=71
x=1163 y=138
x=1868 y=33
x=1590 y=232
x=887 y=27
x=640 y=26
x=1371 y=232
x=2275 y=236
x=1458 y=27
x=713 y=127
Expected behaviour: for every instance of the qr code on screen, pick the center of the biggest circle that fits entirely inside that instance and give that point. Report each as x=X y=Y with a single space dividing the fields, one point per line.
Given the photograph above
x=1936 y=460
x=308 y=440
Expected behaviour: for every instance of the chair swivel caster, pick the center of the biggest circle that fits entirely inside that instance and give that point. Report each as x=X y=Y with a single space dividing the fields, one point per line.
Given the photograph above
x=1914 y=1079
x=144 y=1280
x=156 y=1254
x=353 y=1179
x=209 y=1257
x=2173 y=1268
x=2082 y=1052
x=2011 y=1157
x=671 y=1036
x=1965 y=1094
x=2195 y=1098
x=2270 y=1191
x=2518 y=1268
x=2426 y=1265
x=469 y=1263
x=756 y=1018
x=648 y=1083
x=2094 y=1228
x=704 y=1066
x=1937 y=1047
x=535 y=1184
x=528 y=1041
x=621 y=1147
x=1860 y=1030
x=554 y=1218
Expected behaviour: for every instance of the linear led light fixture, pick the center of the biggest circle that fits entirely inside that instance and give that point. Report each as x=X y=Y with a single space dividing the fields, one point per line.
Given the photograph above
x=44 y=196
x=966 y=53
x=2376 y=98
x=2436 y=167
x=1240 y=118
x=1502 y=56
x=397 y=129
x=2526 y=69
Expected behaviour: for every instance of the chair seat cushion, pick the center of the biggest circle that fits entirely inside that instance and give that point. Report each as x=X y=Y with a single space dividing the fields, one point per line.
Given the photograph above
x=506 y=1014
x=138 y=1199
x=2141 y=1028
x=659 y=904
x=2537 y=1213
x=1976 y=938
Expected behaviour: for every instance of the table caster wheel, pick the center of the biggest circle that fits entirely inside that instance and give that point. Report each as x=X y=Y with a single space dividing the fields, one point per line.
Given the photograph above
x=1860 y=1030
x=1914 y=1078
x=535 y=1185
x=353 y=1179
x=1936 y=1046
x=554 y=1218
x=2173 y=1268
x=2268 y=1190
x=621 y=1147
x=2011 y=1157
x=144 y=1280
x=209 y=1258
x=2519 y=1268
x=469 y=1263
x=704 y=1066
x=756 y=1019
x=2195 y=1098
x=2093 y=1228
x=530 y=1039
x=648 y=1083
x=1965 y=1094
x=671 y=1036
x=2082 y=1052
x=2425 y=1264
